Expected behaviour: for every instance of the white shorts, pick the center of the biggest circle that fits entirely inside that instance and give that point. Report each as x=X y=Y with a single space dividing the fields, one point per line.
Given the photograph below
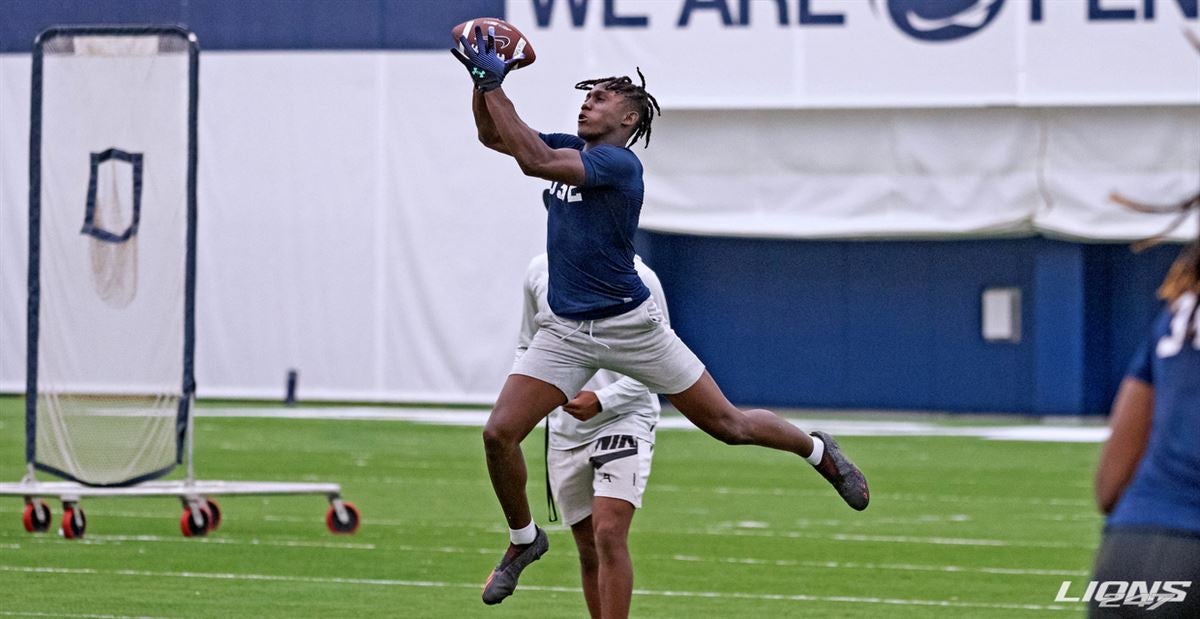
x=639 y=344
x=615 y=466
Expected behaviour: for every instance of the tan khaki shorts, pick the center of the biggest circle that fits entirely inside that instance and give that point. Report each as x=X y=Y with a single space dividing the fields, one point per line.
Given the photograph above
x=566 y=353
x=615 y=466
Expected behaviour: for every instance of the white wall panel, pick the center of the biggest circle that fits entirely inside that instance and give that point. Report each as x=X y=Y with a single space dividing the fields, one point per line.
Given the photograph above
x=352 y=227
x=14 y=217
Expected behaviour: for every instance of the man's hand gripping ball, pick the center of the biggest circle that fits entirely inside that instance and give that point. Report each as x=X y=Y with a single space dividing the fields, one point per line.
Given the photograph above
x=486 y=66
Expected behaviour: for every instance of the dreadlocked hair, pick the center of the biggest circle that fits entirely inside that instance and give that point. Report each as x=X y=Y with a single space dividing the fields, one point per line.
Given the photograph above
x=1184 y=275
x=647 y=105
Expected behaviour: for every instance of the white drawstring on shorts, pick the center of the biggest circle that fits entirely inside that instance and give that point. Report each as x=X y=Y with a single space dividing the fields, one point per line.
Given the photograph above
x=590 y=323
x=593 y=338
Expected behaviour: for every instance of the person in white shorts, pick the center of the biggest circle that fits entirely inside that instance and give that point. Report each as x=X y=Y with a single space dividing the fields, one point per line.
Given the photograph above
x=601 y=445
x=602 y=316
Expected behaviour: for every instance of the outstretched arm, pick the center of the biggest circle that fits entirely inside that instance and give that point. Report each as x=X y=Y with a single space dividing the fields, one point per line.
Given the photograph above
x=488 y=136
x=1130 y=423
x=564 y=165
x=487 y=70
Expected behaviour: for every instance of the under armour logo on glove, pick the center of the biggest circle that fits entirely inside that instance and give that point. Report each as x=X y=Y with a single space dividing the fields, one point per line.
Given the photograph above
x=486 y=66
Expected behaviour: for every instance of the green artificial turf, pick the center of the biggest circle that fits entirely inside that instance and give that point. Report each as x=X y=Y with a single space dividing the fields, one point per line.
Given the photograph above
x=958 y=527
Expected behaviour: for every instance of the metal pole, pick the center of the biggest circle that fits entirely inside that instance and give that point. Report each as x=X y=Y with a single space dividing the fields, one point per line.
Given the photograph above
x=191 y=443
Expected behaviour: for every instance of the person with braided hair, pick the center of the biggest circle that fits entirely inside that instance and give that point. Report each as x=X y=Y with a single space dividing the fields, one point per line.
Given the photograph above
x=1148 y=477
x=635 y=96
x=602 y=316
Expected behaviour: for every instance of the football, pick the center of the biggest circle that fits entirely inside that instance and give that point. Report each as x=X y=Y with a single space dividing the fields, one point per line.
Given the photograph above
x=509 y=41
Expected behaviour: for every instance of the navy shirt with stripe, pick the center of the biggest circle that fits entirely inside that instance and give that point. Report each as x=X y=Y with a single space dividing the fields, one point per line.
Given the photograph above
x=590 y=230
x=1165 y=490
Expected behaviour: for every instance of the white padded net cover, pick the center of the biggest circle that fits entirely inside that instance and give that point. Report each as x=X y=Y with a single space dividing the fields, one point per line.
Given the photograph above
x=110 y=362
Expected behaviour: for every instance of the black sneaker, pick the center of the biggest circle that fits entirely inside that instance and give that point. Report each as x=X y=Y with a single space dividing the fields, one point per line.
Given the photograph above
x=841 y=472
x=503 y=580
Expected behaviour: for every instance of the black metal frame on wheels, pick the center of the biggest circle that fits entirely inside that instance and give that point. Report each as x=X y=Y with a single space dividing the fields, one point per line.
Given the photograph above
x=200 y=513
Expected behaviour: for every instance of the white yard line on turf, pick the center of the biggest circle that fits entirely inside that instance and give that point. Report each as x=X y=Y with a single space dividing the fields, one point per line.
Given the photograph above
x=71 y=616
x=718 y=530
x=889 y=496
x=803 y=523
x=839 y=427
x=121 y=539
x=895 y=539
x=895 y=567
x=475 y=586
x=780 y=492
x=731 y=530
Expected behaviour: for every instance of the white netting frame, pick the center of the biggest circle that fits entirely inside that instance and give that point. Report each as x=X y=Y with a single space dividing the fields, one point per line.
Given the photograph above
x=110 y=382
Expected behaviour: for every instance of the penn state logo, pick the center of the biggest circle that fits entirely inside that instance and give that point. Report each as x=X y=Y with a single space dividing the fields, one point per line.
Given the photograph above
x=936 y=21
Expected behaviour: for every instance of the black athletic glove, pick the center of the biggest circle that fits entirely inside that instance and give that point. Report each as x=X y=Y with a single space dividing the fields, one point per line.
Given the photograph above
x=487 y=68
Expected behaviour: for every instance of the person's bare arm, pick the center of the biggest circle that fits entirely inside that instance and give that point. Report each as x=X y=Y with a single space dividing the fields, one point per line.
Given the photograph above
x=564 y=165
x=488 y=136
x=487 y=70
x=1130 y=424
x=588 y=404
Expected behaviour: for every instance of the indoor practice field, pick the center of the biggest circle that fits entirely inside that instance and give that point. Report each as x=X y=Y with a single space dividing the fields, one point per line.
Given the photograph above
x=958 y=527
x=285 y=284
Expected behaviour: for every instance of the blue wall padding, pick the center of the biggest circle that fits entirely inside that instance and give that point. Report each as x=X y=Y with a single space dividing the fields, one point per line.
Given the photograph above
x=260 y=24
x=898 y=324
x=1132 y=279
x=1097 y=335
x=1057 y=305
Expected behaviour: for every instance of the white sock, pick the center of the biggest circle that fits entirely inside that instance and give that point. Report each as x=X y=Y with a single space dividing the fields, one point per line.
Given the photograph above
x=818 y=451
x=523 y=536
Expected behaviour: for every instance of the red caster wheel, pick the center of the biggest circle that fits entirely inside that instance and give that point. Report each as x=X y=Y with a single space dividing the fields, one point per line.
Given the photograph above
x=74 y=521
x=342 y=518
x=215 y=510
x=37 y=516
x=196 y=521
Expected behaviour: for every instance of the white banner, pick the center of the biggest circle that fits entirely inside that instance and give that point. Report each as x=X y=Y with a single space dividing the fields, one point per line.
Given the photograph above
x=920 y=173
x=875 y=53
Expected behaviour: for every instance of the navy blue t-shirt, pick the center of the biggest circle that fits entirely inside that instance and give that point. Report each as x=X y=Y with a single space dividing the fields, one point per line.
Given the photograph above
x=1165 y=490
x=589 y=233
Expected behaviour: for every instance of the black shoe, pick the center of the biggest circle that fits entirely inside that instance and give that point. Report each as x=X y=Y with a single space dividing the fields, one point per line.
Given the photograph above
x=503 y=580
x=841 y=472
